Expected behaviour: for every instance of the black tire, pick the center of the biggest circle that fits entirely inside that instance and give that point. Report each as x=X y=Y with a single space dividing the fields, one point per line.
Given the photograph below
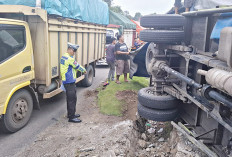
x=88 y=80
x=162 y=21
x=15 y=118
x=162 y=36
x=158 y=115
x=148 y=99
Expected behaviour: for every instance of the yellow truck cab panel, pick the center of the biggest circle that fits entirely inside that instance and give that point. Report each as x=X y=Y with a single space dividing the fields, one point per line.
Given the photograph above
x=16 y=59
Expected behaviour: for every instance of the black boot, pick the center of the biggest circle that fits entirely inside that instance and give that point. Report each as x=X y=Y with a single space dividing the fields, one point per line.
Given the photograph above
x=77 y=115
x=74 y=120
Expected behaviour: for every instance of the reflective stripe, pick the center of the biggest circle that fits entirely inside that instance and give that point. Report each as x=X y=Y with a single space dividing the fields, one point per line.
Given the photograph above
x=66 y=58
x=69 y=75
x=77 y=66
x=81 y=69
x=68 y=69
x=62 y=61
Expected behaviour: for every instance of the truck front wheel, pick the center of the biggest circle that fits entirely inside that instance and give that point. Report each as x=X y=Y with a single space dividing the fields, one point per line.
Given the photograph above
x=18 y=112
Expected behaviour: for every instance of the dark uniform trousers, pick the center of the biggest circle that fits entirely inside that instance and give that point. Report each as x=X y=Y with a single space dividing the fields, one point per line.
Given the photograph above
x=71 y=98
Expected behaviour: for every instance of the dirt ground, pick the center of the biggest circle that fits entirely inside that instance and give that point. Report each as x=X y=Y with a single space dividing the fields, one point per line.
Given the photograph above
x=130 y=104
x=97 y=135
x=108 y=136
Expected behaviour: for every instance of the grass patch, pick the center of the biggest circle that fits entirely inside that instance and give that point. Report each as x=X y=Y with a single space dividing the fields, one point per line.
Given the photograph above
x=107 y=100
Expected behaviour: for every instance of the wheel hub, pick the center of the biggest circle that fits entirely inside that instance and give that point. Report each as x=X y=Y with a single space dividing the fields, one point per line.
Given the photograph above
x=150 y=91
x=20 y=109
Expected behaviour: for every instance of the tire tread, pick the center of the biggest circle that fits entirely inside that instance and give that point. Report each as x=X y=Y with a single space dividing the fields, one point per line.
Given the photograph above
x=158 y=115
x=165 y=20
x=157 y=102
x=162 y=36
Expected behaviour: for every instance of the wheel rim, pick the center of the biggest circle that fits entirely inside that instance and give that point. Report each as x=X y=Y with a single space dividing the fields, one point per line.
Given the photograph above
x=155 y=93
x=148 y=61
x=20 y=109
x=90 y=75
x=150 y=56
x=150 y=91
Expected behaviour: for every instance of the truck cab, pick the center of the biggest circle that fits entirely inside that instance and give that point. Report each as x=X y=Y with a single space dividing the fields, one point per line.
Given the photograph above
x=16 y=71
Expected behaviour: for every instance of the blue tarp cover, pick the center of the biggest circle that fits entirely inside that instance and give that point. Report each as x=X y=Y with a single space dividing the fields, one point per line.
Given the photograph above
x=94 y=11
x=140 y=60
x=225 y=20
x=138 y=63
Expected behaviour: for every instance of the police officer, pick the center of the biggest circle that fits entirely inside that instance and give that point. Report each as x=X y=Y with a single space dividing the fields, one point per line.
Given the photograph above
x=68 y=69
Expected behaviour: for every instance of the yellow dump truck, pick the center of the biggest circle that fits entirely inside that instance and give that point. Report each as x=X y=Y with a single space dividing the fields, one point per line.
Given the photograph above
x=31 y=45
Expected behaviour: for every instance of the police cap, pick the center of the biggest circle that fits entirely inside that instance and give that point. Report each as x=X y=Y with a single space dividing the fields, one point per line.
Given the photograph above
x=73 y=46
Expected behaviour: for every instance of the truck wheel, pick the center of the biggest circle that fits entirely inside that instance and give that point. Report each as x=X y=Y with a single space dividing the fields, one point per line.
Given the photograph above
x=162 y=21
x=18 y=112
x=151 y=52
x=88 y=80
x=148 y=99
x=158 y=115
x=162 y=36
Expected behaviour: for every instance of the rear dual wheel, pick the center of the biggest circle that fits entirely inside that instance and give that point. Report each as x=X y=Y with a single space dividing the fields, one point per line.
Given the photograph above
x=160 y=21
x=163 y=29
x=168 y=29
x=162 y=36
x=147 y=98
x=157 y=107
x=158 y=115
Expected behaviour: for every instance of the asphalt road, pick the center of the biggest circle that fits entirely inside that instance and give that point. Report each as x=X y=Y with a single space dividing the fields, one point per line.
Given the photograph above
x=51 y=110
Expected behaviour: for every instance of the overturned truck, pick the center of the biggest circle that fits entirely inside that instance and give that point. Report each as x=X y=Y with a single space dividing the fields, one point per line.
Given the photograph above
x=189 y=59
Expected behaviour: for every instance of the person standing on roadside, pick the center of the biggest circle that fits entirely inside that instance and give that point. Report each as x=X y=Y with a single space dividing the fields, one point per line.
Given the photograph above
x=137 y=43
x=122 y=59
x=110 y=59
x=187 y=4
x=68 y=70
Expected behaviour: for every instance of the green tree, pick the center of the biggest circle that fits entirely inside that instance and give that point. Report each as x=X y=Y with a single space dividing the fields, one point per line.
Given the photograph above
x=109 y=2
x=117 y=9
x=127 y=14
x=137 y=16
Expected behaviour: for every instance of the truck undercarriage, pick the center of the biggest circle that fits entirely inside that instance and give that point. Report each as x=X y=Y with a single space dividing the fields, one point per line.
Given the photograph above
x=196 y=70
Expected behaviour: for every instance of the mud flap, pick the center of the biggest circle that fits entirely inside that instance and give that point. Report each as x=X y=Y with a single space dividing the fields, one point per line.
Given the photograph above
x=36 y=104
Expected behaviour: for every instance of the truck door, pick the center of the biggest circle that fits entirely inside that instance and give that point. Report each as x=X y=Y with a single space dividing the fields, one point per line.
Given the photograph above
x=16 y=63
